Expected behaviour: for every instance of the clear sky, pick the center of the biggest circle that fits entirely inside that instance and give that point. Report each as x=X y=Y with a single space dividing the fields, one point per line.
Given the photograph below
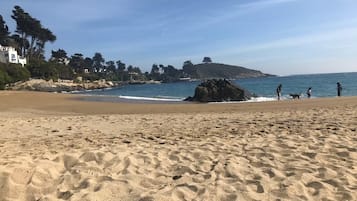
x=280 y=37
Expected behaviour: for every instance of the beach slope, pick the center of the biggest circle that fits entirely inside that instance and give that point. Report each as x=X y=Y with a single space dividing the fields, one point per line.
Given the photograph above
x=56 y=147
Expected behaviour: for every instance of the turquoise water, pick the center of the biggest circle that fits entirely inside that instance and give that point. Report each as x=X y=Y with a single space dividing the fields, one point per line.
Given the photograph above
x=323 y=85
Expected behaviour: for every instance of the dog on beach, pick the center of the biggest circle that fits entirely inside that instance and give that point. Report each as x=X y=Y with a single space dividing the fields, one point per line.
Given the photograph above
x=295 y=96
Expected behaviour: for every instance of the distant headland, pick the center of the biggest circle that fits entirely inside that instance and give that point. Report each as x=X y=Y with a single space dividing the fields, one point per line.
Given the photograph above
x=22 y=60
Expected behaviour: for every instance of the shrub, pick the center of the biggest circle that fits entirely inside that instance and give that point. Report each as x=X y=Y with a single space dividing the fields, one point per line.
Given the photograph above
x=10 y=73
x=43 y=70
x=4 y=79
x=17 y=73
x=63 y=71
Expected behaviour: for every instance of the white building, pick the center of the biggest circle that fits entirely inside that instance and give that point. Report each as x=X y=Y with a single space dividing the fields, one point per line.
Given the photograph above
x=9 y=55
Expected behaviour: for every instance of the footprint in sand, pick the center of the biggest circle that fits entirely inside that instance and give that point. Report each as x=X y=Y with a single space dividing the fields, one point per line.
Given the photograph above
x=21 y=175
x=185 y=192
x=91 y=156
x=147 y=198
x=229 y=197
x=149 y=183
x=258 y=187
x=42 y=179
x=316 y=186
x=68 y=161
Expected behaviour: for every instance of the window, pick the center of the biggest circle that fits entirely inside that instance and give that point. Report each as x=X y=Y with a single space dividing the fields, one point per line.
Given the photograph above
x=13 y=57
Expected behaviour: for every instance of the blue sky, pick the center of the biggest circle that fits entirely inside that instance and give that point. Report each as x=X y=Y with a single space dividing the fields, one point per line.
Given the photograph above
x=280 y=37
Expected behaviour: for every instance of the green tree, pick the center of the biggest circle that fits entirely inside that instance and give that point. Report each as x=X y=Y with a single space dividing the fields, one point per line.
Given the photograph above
x=155 y=72
x=165 y=73
x=88 y=64
x=155 y=69
x=59 y=56
x=44 y=36
x=60 y=53
x=63 y=71
x=130 y=68
x=43 y=70
x=25 y=26
x=121 y=66
x=189 y=69
x=207 y=60
x=171 y=71
x=110 y=66
x=187 y=63
x=30 y=34
x=4 y=32
x=98 y=62
x=16 y=41
x=121 y=69
x=77 y=62
x=137 y=70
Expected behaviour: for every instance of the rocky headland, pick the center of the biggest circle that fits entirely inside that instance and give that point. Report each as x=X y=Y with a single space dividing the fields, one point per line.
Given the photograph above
x=60 y=85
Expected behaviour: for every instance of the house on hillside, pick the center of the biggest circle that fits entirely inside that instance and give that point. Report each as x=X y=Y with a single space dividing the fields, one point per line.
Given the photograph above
x=9 y=55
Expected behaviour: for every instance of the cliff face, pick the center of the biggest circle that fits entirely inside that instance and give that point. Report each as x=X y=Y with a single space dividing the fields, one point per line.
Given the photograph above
x=216 y=70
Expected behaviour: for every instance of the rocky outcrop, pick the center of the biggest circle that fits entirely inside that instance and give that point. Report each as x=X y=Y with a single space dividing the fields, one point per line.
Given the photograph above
x=60 y=86
x=219 y=91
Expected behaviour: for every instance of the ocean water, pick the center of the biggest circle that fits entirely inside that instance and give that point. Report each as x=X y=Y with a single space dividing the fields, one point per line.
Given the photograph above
x=323 y=85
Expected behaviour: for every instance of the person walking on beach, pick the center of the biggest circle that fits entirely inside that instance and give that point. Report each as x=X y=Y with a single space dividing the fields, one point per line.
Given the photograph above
x=339 y=89
x=278 y=91
x=308 y=92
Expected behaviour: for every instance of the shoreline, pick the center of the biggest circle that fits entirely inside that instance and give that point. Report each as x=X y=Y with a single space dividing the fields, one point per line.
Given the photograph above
x=119 y=99
x=74 y=104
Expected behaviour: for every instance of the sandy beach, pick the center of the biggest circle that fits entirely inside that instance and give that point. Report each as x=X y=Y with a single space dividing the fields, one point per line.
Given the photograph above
x=56 y=147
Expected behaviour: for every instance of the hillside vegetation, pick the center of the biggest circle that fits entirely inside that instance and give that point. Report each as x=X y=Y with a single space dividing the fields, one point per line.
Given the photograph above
x=30 y=37
x=217 y=70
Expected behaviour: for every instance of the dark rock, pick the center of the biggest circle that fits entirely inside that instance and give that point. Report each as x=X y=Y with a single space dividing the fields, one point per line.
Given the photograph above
x=126 y=141
x=176 y=177
x=219 y=90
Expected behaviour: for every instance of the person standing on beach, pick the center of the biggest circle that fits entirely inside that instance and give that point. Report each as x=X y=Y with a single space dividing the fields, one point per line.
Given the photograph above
x=308 y=92
x=278 y=91
x=339 y=89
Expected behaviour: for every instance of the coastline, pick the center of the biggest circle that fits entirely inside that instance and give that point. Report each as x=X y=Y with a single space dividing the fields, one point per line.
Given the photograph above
x=74 y=104
x=54 y=146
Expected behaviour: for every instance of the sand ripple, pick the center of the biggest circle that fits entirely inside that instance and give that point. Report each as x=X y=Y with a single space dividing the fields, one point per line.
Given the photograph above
x=292 y=155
